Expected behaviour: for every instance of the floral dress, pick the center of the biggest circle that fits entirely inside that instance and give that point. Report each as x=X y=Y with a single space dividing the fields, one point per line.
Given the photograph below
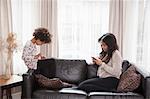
x=29 y=52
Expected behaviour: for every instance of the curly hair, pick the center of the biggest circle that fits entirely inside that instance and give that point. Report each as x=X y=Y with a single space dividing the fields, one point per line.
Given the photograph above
x=42 y=34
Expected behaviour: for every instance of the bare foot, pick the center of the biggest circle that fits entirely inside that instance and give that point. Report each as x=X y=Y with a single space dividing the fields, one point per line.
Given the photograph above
x=67 y=84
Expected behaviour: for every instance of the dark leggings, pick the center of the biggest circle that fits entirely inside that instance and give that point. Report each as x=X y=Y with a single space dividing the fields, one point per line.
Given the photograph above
x=99 y=84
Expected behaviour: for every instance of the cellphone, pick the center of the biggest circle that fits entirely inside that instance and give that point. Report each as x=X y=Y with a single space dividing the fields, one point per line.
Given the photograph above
x=94 y=58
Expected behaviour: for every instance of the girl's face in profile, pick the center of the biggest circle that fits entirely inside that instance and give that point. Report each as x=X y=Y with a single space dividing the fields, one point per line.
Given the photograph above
x=104 y=46
x=38 y=42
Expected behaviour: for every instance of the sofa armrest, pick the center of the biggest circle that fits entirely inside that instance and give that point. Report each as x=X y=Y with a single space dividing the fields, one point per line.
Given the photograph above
x=147 y=88
x=27 y=86
x=145 y=81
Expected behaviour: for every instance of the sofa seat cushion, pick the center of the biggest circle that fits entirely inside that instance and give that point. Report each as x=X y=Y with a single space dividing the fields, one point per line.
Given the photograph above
x=112 y=95
x=62 y=94
x=72 y=90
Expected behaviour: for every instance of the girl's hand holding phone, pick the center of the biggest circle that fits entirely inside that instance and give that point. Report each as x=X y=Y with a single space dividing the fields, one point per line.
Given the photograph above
x=97 y=61
x=93 y=59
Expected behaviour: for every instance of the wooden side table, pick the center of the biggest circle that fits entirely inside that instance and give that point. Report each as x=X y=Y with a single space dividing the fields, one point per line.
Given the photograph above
x=14 y=81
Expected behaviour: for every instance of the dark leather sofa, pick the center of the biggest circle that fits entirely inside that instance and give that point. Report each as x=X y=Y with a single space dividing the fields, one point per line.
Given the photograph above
x=76 y=71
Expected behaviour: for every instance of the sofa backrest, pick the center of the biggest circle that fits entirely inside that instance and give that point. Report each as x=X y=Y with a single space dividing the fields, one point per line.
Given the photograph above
x=46 y=67
x=92 y=70
x=71 y=71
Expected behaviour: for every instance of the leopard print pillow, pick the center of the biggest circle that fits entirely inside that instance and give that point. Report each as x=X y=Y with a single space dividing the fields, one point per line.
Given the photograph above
x=129 y=80
x=45 y=82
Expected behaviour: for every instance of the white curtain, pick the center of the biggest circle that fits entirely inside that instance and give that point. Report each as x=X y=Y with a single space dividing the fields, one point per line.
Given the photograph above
x=137 y=33
x=26 y=17
x=5 y=28
x=116 y=20
x=80 y=24
x=123 y=22
x=130 y=30
x=49 y=20
x=143 y=48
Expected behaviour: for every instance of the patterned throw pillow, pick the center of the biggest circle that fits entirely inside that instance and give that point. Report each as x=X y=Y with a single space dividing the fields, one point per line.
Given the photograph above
x=129 y=80
x=54 y=83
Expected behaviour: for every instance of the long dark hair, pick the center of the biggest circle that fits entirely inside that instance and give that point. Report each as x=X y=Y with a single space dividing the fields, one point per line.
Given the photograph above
x=110 y=40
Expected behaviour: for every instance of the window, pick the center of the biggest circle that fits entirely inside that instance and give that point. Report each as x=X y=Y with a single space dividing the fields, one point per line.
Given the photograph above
x=143 y=50
x=80 y=24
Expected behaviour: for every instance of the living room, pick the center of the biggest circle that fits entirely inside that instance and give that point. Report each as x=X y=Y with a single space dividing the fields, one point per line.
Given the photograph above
x=75 y=26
